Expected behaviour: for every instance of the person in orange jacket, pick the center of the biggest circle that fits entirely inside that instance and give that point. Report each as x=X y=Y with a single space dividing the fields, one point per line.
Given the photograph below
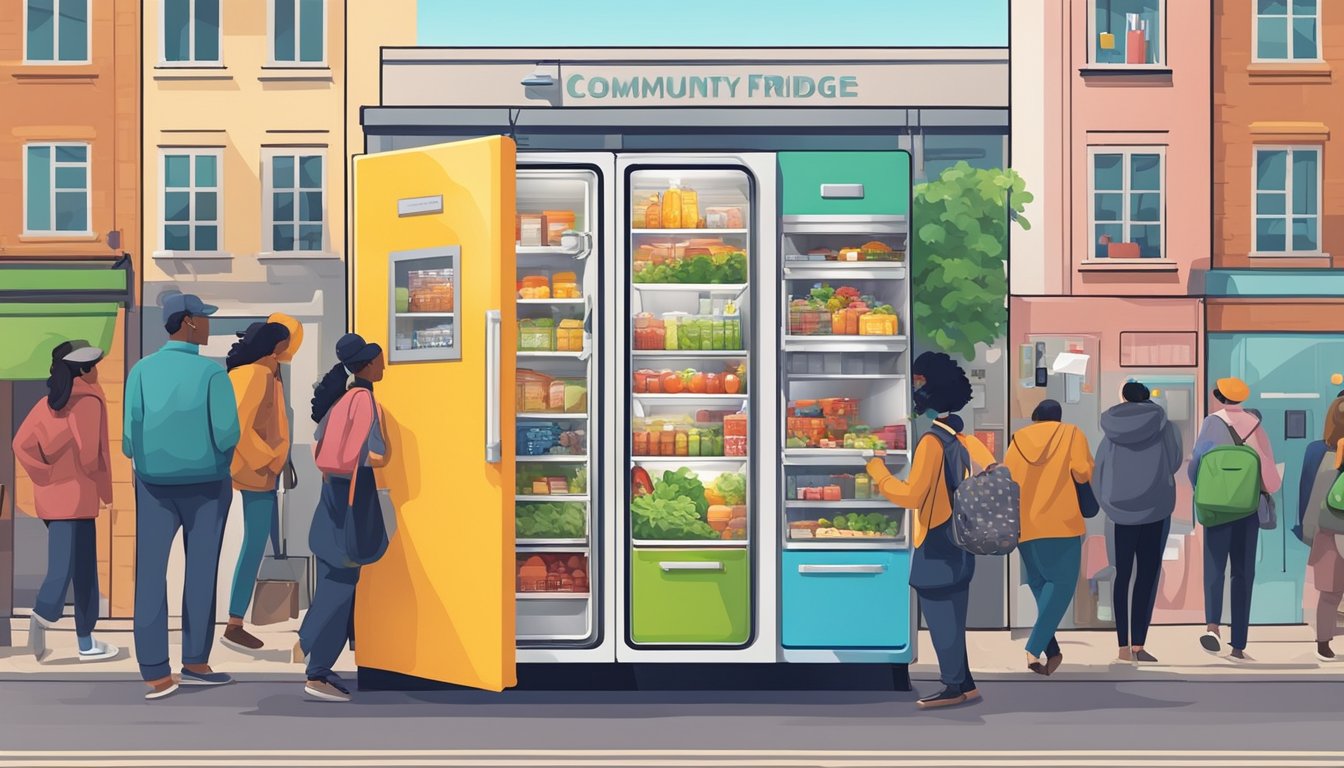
x=261 y=456
x=1048 y=459
x=940 y=571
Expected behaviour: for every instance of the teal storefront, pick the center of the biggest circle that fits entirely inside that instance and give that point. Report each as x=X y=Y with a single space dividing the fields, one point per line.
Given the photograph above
x=1282 y=332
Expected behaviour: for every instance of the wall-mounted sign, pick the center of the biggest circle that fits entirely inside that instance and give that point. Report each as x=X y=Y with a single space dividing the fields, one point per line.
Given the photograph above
x=419 y=206
x=643 y=86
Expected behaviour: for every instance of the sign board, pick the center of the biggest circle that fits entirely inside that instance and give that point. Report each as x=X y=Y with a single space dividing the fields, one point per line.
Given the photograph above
x=419 y=206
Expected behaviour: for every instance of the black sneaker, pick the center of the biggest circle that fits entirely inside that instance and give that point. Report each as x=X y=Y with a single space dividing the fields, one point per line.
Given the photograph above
x=327 y=689
x=1324 y=653
x=946 y=698
x=1210 y=642
x=1144 y=657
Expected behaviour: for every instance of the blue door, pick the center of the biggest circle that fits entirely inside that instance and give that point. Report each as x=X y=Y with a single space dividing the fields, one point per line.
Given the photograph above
x=1290 y=379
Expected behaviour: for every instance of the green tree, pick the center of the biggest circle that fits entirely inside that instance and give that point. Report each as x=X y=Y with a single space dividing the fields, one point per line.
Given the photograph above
x=960 y=250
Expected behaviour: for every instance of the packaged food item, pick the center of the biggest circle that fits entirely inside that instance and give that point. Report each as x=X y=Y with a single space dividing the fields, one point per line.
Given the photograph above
x=533 y=391
x=565 y=285
x=575 y=397
x=735 y=435
x=667 y=441
x=724 y=218
x=557 y=223
x=569 y=336
x=536 y=335
x=535 y=287
x=649 y=333
x=640 y=443
x=671 y=207
x=863 y=486
x=532 y=230
x=690 y=208
x=873 y=324
x=670 y=323
x=653 y=213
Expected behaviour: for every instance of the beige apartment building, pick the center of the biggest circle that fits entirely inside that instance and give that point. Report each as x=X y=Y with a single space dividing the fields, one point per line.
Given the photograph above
x=249 y=125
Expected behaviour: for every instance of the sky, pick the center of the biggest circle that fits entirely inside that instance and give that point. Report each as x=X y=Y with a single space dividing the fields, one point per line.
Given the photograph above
x=740 y=23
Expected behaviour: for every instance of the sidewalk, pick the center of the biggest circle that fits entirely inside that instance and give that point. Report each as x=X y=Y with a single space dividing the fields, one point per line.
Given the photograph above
x=1282 y=653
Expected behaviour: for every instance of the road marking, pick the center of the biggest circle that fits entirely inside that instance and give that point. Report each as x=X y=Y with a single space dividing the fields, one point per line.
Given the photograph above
x=671 y=758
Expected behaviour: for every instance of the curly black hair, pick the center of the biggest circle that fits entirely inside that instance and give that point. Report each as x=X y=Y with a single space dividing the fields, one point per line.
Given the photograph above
x=946 y=388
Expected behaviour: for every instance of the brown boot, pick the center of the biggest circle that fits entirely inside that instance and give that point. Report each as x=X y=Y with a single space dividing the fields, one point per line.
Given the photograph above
x=240 y=639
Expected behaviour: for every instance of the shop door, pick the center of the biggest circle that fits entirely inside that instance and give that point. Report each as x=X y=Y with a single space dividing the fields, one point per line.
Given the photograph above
x=1289 y=376
x=434 y=272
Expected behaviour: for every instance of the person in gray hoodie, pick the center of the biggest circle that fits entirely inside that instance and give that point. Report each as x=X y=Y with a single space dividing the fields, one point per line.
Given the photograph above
x=1135 y=483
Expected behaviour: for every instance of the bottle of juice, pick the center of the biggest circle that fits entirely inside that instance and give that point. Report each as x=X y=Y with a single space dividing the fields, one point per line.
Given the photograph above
x=670 y=330
x=653 y=214
x=683 y=443
x=667 y=445
x=863 y=486
x=641 y=443
x=672 y=206
x=690 y=209
x=693 y=443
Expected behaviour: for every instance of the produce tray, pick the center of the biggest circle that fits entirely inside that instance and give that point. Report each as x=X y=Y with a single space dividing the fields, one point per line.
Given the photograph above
x=842 y=504
x=552 y=459
x=565 y=544
x=841 y=544
x=837 y=456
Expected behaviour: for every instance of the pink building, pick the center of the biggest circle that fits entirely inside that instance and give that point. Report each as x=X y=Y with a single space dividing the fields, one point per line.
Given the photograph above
x=1110 y=129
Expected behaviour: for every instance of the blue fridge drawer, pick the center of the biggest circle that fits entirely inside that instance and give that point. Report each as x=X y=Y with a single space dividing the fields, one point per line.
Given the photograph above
x=849 y=599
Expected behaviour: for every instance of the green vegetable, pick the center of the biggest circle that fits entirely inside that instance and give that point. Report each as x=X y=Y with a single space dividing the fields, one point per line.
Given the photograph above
x=823 y=522
x=841 y=522
x=550 y=520
x=717 y=269
x=732 y=487
x=682 y=484
x=668 y=519
x=822 y=293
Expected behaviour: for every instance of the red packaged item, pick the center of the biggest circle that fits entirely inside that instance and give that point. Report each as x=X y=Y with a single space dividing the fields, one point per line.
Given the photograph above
x=830 y=493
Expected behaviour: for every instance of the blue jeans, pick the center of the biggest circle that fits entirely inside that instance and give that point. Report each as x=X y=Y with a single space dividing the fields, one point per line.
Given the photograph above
x=1051 y=567
x=330 y=621
x=944 y=610
x=1235 y=541
x=261 y=515
x=72 y=553
x=200 y=510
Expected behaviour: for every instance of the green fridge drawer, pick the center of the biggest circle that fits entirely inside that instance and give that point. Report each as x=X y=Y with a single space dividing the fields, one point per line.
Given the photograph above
x=690 y=597
x=845 y=183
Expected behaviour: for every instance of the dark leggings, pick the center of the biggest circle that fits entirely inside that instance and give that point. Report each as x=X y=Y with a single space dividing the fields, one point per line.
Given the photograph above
x=1145 y=544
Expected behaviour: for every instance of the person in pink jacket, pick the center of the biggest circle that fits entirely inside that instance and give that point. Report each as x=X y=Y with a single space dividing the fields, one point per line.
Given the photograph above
x=62 y=445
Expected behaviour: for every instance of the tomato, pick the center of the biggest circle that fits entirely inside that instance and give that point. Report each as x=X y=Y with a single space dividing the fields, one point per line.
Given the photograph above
x=640 y=482
x=731 y=383
x=698 y=383
x=672 y=383
x=714 y=384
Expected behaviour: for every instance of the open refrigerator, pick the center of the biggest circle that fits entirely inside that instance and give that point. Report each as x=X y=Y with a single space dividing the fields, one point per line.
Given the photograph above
x=563 y=534
x=844 y=383
x=697 y=236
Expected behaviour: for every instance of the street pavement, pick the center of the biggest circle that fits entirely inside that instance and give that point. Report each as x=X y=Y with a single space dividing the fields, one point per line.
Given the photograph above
x=1039 y=723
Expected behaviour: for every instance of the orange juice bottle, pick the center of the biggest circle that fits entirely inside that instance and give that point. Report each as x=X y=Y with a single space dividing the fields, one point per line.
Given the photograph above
x=690 y=209
x=653 y=214
x=672 y=206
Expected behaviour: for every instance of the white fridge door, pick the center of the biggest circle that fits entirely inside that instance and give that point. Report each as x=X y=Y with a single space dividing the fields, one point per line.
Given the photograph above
x=571 y=630
x=673 y=561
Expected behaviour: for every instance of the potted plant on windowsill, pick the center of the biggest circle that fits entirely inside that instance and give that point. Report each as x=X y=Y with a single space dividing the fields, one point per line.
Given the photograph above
x=1116 y=250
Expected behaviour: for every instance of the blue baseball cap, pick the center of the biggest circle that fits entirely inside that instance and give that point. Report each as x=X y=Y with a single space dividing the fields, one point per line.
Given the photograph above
x=176 y=302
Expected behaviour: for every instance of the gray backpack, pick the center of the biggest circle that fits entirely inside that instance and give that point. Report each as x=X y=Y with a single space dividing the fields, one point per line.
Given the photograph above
x=986 y=509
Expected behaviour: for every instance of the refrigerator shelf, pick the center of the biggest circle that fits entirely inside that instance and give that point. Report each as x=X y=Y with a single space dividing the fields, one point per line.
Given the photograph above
x=689 y=354
x=552 y=595
x=844 y=376
x=691 y=543
x=551 y=302
x=547 y=545
x=842 y=224
x=688 y=232
x=845 y=543
x=555 y=416
x=554 y=355
x=426 y=315
x=690 y=460
x=843 y=504
x=843 y=270
x=553 y=459
x=835 y=457
x=845 y=343
x=546 y=250
x=577 y=497
x=694 y=399
x=723 y=289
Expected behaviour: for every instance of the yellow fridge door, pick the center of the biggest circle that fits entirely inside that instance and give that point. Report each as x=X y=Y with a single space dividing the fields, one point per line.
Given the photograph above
x=434 y=284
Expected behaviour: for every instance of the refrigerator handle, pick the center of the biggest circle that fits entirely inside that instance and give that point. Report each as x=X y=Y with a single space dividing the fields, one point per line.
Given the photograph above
x=493 y=327
x=587 y=327
x=585 y=246
x=875 y=568
x=690 y=566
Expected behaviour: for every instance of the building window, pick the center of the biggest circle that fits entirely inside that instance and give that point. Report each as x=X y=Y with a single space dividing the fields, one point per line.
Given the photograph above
x=936 y=152
x=1287 y=30
x=295 y=202
x=1127 y=32
x=1127 y=205
x=1287 y=200
x=298 y=32
x=56 y=189
x=57 y=31
x=191 y=31
x=191 y=198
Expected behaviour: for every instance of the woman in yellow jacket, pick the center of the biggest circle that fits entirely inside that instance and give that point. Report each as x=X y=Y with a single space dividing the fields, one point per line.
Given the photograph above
x=261 y=456
x=940 y=571
x=1048 y=459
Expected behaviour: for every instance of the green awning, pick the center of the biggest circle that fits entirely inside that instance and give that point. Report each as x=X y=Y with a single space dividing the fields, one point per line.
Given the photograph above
x=29 y=331
x=62 y=279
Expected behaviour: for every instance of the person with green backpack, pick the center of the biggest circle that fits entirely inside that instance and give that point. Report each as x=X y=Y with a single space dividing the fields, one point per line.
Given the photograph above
x=1320 y=525
x=1232 y=469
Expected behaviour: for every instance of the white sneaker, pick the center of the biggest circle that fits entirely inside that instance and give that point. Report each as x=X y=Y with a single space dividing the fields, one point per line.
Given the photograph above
x=1211 y=643
x=100 y=652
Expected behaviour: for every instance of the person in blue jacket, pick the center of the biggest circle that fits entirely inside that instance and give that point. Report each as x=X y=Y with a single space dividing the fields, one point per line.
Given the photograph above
x=179 y=430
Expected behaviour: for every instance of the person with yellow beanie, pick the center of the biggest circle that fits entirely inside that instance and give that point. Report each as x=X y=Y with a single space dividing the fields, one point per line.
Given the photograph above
x=1232 y=543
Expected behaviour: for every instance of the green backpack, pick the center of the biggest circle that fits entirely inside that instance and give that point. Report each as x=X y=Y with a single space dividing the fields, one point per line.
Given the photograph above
x=1227 y=487
x=1334 y=500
